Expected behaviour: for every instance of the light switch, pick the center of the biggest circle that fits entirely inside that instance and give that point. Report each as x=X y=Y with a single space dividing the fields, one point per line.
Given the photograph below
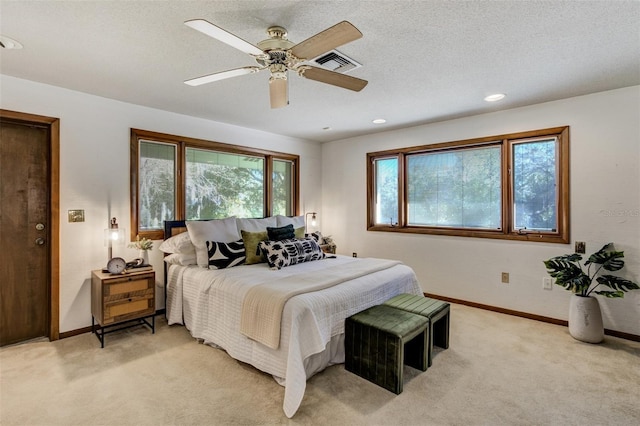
x=76 y=215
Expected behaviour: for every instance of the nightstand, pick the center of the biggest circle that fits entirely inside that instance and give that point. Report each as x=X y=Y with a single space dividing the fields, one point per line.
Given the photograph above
x=328 y=248
x=122 y=301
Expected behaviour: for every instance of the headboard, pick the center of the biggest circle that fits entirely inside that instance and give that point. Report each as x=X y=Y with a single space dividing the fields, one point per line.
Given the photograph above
x=171 y=228
x=174 y=227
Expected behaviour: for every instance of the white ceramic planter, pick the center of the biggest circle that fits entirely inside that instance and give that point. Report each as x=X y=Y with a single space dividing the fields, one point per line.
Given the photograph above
x=585 y=319
x=144 y=255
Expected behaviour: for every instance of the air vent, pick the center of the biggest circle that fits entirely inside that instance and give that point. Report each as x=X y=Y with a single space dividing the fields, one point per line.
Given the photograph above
x=336 y=61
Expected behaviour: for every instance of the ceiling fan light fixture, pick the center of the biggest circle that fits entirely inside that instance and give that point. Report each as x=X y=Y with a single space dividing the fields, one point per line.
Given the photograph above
x=379 y=121
x=495 y=97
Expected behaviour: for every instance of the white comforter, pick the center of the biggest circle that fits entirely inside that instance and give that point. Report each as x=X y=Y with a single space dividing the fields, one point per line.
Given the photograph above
x=209 y=304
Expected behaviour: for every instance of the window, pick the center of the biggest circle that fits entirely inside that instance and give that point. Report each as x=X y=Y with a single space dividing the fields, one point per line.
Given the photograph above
x=157 y=183
x=534 y=185
x=459 y=188
x=511 y=186
x=220 y=185
x=175 y=178
x=386 y=173
x=283 y=187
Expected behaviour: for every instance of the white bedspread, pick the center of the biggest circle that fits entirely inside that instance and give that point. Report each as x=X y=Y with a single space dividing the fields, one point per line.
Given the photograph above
x=209 y=304
x=263 y=304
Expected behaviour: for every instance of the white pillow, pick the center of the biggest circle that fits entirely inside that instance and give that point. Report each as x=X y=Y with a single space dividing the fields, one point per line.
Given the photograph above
x=296 y=221
x=180 y=243
x=256 y=225
x=201 y=231
x=181 y=259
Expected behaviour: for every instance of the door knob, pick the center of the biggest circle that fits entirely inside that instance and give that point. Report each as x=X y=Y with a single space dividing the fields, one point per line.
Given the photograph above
x=39 y=241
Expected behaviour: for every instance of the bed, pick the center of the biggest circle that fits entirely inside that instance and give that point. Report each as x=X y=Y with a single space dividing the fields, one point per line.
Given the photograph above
x=310 y=332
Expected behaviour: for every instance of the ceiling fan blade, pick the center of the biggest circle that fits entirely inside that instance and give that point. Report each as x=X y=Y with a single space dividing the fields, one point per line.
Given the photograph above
x=224 y=36
x=279 y=92
x=221 y=75
x=326 y=40
x=334 y=78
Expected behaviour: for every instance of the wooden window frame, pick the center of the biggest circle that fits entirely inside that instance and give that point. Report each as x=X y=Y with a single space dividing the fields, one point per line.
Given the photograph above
x=182 y=143
x=561 y=235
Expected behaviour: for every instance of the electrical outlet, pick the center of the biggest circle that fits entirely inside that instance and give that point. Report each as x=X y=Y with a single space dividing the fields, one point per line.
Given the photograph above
x=581 y=247
x=354 y=254
x=505 y=277
x=547 y=283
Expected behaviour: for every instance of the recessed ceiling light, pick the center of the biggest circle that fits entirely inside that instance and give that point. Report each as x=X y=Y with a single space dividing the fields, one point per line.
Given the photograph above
x=495 y=97
x=379 y=121
x=9 y=43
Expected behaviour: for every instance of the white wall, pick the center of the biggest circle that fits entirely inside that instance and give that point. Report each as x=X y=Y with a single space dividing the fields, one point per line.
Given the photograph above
x=605 y=207
x=94 y=174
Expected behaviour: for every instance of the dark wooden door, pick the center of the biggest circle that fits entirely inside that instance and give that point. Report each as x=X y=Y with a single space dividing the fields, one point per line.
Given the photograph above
x=24 y=231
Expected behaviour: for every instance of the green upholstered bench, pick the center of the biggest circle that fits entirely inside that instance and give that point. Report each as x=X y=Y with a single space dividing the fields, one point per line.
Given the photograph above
x=375 y=341
x=436 y=310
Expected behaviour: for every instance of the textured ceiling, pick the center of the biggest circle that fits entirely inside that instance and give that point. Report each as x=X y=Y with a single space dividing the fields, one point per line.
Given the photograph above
x=425 y=61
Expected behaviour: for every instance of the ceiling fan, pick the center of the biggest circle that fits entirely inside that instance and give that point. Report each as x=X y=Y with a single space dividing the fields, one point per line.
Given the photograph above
x=279 y=55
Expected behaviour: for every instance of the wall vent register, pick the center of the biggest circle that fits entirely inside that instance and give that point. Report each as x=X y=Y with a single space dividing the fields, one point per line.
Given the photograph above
x=337 y=62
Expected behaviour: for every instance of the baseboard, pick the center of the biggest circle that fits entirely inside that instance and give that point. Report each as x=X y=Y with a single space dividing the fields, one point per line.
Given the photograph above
x=88 y=329
x=614 y=333
x=75 y=332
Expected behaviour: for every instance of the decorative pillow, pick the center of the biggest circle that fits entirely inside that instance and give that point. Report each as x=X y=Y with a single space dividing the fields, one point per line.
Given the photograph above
x=251 y=240
x=181 y=259
x=256 y=225
x=201 y=231
x=290 y=252
x=225 y=255
x=299 y=232
x=283 y=233
x=296 y=221
x=180 y=243
x=317 y=236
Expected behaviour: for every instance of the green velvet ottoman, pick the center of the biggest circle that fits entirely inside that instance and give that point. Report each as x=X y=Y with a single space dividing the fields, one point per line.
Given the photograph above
x=437 y=312
x=375 y=341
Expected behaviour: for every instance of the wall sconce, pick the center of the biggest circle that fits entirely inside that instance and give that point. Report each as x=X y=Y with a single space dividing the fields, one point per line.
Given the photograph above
x=113 y=235
x=313 y=220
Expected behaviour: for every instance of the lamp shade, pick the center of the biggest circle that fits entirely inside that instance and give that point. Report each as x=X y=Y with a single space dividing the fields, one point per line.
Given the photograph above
x=114 y=236
x=313 y=220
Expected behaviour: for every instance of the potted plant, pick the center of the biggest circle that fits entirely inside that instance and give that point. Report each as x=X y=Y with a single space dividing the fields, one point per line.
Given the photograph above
x=585 y=317
x=143 y=245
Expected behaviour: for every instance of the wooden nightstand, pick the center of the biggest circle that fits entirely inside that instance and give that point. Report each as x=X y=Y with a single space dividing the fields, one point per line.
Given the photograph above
x=119 y=300
x=328 y=248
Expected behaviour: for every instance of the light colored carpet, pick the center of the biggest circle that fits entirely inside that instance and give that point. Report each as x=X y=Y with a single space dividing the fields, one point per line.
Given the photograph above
x=499 y=370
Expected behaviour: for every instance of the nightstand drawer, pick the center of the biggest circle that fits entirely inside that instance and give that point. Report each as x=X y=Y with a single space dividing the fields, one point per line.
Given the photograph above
x=126 y=286
x=135 y=307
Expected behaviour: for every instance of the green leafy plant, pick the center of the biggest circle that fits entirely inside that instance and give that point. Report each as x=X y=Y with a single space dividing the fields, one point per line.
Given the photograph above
x=570 y=274
x=141 y=243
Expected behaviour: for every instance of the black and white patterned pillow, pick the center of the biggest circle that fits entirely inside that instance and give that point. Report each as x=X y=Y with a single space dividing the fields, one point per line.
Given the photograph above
x=290 y=252
x=225 y=255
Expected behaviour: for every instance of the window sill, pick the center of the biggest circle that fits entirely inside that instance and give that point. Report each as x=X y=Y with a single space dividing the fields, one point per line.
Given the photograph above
x=458 y=232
